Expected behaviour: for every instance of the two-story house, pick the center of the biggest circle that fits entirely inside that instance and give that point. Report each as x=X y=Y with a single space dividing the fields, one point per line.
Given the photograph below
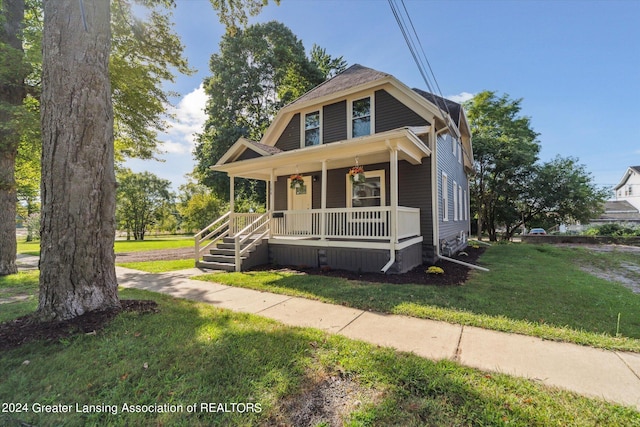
x=628 y=189
x=363 y=173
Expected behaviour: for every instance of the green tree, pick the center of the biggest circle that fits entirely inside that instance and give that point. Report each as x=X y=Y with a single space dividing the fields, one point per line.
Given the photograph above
x=198 y=205
x=328 y=65
x=142 y=201
x=561 y=191
x=13 y=71
x=505 y=149
x=233 y=13
x=257 y=71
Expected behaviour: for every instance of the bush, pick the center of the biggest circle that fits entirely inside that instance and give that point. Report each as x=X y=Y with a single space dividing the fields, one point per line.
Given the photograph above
x=614 y=230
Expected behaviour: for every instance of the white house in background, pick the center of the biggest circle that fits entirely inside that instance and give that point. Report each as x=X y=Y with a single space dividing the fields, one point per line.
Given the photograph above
x=628 y=189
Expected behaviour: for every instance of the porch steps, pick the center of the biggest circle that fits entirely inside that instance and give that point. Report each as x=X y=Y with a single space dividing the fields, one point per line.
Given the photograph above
x=222 y=257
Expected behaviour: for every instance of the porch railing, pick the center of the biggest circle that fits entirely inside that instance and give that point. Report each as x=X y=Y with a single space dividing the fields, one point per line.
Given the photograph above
x=230 y=224
x=373 y=223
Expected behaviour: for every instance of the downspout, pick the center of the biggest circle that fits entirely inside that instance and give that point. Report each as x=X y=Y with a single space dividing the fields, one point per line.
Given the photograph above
x=393 y=166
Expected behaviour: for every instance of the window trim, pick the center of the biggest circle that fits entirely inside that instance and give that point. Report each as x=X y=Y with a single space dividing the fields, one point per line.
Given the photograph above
x=380 y=173
x=350 y=100
x=444 y=196
x=303 y=130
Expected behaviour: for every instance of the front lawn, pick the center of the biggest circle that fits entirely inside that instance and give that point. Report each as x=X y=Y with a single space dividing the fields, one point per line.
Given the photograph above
x=165 y=242
x=194 y=354
x=537 y=290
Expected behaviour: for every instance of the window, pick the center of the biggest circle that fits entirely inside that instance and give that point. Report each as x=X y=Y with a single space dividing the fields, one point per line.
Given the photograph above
x=445 y=197
x=312 y=129
x=367 y=194
x=361 y=117
x=455 y=201
x=460 y=203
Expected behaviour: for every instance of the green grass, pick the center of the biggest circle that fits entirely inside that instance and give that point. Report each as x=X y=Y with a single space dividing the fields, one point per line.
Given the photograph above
x=18 y=285
x=149 y=244
x=194 y=353
x=159 y=266
x=533 y=290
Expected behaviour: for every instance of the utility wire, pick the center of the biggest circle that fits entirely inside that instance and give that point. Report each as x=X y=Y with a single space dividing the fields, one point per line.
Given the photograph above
x=416 y=49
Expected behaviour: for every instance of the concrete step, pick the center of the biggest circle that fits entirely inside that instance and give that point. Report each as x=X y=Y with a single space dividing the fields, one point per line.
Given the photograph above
x=228 y=259
x=216 y=265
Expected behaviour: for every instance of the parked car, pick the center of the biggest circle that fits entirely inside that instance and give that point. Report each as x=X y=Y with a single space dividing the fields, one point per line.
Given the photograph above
x=537 y=232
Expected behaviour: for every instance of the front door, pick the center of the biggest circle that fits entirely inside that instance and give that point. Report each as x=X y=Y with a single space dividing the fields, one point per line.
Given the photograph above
x=299 y=200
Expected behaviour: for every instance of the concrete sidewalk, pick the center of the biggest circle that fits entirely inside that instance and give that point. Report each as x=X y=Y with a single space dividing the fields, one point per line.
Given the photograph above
x=613 y=376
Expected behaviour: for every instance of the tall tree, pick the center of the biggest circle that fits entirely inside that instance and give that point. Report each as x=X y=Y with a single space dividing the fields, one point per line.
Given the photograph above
x=142 y=199
x=505 y=149
x=12 y=93
x=256 y=72
x=233 y=13
x=77 y=270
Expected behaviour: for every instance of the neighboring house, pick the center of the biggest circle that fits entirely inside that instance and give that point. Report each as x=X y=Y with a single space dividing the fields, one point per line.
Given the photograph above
x=618 y=211
x=629 y=187
x=415 y=149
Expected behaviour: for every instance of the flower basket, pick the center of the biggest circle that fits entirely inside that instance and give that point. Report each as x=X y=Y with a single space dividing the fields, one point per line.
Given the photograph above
x=296 y=181
x=356 y=174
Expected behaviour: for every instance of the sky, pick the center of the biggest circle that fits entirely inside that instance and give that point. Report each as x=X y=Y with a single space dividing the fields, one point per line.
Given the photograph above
x=575 y=65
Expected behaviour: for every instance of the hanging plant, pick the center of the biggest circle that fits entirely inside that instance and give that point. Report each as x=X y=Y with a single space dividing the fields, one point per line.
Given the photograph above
x=296 y=181
x=356 y=174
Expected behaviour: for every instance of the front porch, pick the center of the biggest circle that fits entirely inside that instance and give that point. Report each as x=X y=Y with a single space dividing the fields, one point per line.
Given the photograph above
x=382 y=235
x=325 y=209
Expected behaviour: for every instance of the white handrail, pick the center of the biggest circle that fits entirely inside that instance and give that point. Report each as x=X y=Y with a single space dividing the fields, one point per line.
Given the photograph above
x=219 y=229
x=251 y=230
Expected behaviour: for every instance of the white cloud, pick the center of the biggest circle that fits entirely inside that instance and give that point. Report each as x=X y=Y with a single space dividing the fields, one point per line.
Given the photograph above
x=189 y=117
x=461 y=97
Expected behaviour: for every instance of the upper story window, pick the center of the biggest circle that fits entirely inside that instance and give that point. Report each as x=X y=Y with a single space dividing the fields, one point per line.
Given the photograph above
x=312 y=129
x=361 y=117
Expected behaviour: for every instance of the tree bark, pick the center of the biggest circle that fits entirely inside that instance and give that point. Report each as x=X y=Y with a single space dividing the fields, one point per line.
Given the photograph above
x=77 y=264
x=12 y=93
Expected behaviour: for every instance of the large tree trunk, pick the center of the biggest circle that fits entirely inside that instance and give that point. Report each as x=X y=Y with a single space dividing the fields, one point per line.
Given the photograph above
x=12 y=93
x=77 y=270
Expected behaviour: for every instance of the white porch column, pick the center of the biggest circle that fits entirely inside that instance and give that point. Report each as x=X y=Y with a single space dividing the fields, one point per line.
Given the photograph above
x=272 y=198
x=323 y=202
x=393 y=165
x=232 y=197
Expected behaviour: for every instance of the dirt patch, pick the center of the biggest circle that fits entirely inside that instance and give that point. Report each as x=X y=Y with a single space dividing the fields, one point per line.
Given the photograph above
x=325 y=402
x=25 y=329
x=454 y=274
x=628 y=274
x=156 y=255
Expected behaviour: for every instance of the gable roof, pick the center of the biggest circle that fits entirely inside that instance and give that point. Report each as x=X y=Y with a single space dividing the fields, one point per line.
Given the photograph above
x=625 y=177
x=353 y=76
x=242 y=145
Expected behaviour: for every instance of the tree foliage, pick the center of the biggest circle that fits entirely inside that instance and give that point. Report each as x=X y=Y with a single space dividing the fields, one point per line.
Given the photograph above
x=143 y=199
x=256 y=72
x=233 y=13
x=145 y=54
x=197 y=205
x=505 y=149
x=510 y=187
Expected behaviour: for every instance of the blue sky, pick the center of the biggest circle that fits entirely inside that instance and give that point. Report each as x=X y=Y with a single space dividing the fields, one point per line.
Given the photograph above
x=575 y=64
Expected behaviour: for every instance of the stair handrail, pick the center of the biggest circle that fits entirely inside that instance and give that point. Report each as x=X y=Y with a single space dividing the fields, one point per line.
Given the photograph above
x=219 y=230
x=239 y=251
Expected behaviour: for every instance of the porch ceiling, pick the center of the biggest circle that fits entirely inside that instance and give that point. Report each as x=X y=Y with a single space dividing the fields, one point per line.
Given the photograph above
x=369 y=149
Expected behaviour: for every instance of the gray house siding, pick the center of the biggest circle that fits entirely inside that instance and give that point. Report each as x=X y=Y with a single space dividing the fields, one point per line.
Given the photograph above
x=450 y=229
x=392 y=114
x=334 y=122
x=290 y=138
x=414 y=183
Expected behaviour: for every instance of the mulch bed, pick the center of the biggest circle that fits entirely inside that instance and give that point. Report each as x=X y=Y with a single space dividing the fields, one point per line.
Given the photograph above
x=25 y=329
x=454 y=274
